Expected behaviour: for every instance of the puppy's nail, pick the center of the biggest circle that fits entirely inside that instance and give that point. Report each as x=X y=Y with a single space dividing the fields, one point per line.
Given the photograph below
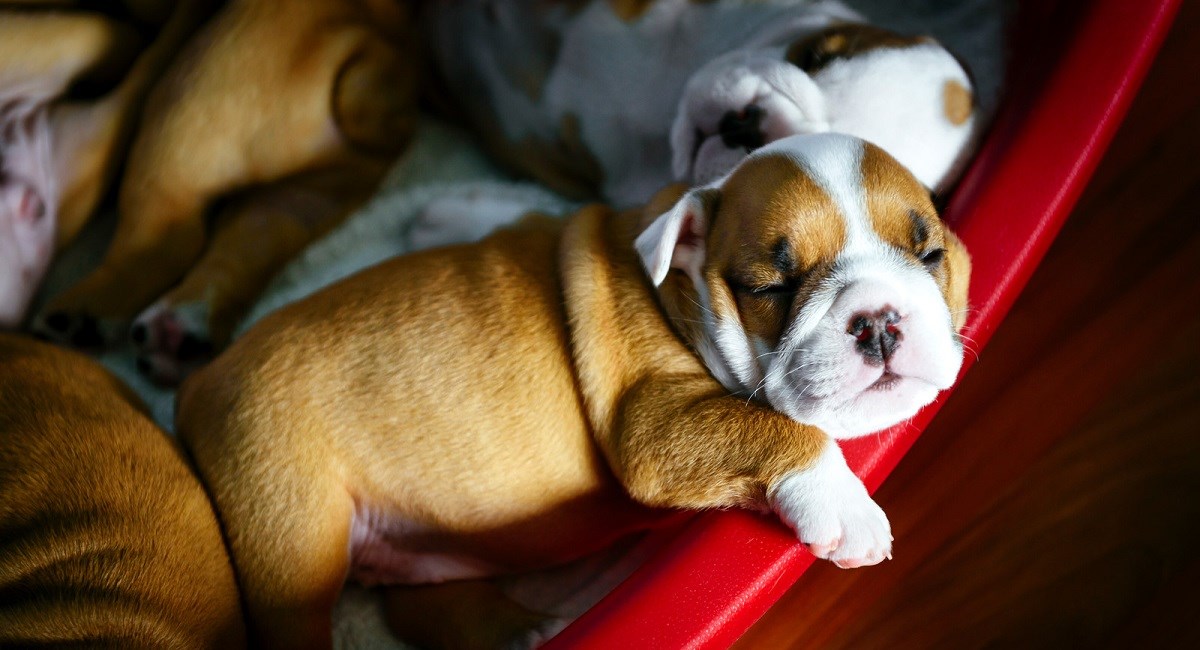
x=193 y=347
x=87 y=335
x=58 y=321
x=138 y=334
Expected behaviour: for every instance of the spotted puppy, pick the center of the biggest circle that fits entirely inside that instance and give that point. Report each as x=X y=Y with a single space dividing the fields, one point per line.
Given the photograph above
x=617 y=99
x=496 y=407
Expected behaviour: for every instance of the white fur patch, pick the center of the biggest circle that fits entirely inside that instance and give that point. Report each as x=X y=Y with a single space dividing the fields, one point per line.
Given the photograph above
x=831 y=513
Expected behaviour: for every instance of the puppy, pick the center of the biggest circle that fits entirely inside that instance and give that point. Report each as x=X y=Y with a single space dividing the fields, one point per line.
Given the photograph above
x=61 y=144
x=617 y=99
x=106 y=536
x=277 y=118
x=907 y=95
x=491 y=408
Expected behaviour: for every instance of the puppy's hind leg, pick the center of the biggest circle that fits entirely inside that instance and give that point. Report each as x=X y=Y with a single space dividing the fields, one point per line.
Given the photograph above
x=286 y=515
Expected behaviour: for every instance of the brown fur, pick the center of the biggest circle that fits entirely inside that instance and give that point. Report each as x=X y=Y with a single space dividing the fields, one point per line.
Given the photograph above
x=92 y=137
x=322 y=88
x=958 y=102
x=106 y=537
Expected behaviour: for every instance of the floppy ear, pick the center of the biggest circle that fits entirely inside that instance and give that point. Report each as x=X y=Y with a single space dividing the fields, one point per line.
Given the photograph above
x=676 y=239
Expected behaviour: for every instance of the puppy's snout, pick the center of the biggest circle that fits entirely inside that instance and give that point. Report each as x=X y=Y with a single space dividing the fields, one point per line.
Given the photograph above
x=743 y=128
x=876 y=334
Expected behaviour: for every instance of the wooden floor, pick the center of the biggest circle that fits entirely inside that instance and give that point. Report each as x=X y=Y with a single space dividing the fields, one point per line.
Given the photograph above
x=1055 y=500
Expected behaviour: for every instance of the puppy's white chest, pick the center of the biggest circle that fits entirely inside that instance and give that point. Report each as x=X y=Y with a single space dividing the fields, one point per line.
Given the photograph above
x=385 y=549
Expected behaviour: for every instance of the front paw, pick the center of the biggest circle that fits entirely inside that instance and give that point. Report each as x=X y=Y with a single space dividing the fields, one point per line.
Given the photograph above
x=832 y=514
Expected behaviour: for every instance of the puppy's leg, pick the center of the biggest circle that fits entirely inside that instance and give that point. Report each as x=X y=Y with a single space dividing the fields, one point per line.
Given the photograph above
x=286 y=517
x=256 y=234
x=467 y=615
x=178 y=166
x=682 y=444
x=90 y=142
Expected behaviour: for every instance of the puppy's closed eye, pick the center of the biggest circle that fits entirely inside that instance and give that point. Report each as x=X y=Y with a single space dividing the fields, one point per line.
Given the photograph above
x=933 y=259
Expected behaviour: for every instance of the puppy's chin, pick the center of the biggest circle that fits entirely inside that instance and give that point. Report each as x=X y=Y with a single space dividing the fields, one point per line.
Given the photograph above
x=854 y=412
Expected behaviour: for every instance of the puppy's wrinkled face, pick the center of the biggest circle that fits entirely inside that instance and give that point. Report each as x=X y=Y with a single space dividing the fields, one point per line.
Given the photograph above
x=817 y=277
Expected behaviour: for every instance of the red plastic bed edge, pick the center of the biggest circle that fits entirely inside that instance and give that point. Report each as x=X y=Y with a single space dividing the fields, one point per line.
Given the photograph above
x=712 y=582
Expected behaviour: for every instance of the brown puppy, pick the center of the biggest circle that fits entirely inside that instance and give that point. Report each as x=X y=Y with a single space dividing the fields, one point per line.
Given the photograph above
x=106 y=537
x=281 y=117
x=61 y=144
x=490 y=408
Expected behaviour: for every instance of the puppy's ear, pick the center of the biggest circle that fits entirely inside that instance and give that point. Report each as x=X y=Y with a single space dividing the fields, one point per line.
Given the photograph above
x=676 y=239
x=958 y=267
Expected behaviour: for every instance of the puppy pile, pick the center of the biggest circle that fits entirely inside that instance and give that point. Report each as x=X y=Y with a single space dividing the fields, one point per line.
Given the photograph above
x=766 y=274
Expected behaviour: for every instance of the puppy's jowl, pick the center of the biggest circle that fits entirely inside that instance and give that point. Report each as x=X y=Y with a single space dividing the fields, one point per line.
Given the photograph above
x=525 y=400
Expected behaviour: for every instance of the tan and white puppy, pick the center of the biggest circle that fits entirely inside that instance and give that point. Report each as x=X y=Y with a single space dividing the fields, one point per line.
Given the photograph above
x=497 y=407
x=617 y=99
x=107 y=538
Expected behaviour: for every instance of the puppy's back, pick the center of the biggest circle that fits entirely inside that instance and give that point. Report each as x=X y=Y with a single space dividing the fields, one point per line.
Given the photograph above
x=106 y=537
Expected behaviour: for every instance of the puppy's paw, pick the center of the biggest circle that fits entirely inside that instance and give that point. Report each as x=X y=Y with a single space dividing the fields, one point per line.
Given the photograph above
x=172 y=341
x=832 y=514
x=76 y=329
x=737 y=103
x=463 y=218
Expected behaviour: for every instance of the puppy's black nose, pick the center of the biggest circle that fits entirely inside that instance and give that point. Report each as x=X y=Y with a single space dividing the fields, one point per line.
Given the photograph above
x=743 y=129
x=876 y=335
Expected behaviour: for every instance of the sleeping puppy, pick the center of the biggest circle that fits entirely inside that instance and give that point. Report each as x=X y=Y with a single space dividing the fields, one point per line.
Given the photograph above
x=617 y=99
x=516 y=403
x=907 y=95
x=61 y=144
x=269 y=128
x=106 y=537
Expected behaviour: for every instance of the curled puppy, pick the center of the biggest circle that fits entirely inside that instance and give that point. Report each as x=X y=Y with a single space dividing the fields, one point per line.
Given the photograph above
x=60 y=147
x=517 y=403
x=106 y=537
x=267 y=130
